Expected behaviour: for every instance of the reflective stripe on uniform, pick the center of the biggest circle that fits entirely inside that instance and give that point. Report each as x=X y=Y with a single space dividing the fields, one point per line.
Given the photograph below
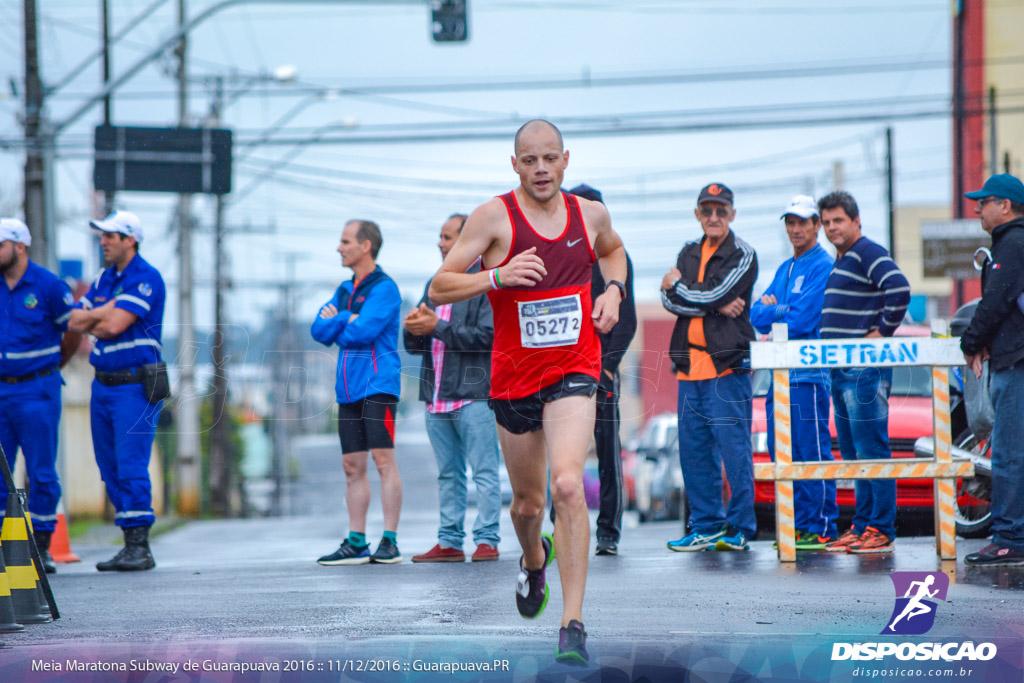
x=131 y=345
x=127 y=514
x=18 y=355
x=134 y=299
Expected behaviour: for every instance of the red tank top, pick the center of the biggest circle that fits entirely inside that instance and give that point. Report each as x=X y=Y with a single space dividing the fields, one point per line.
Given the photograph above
x=545 y=332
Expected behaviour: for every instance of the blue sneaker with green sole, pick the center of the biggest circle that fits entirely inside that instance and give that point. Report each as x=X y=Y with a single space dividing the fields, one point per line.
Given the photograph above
x=695 y=541
x=733 y=539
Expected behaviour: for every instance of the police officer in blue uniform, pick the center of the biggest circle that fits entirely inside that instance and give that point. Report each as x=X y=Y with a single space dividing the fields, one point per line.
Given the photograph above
x=35 y=306
x=124 y=310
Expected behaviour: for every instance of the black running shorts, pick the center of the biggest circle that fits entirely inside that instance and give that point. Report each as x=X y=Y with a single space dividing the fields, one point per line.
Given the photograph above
x=522 y=415
x=367 y=424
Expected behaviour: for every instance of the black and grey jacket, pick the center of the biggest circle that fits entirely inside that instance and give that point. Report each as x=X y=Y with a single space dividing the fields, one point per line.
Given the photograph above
x=468 y=337
x=998 y=322
x=730 y=273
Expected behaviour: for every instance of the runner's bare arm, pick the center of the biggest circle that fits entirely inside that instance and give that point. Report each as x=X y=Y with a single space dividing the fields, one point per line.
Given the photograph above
x=611 y=255
x=481 y=237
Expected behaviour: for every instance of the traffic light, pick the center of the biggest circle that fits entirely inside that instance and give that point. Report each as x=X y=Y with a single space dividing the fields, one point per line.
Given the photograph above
x=449 y=20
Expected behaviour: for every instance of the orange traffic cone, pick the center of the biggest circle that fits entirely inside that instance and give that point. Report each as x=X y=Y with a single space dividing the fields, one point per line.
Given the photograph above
x=60 y=543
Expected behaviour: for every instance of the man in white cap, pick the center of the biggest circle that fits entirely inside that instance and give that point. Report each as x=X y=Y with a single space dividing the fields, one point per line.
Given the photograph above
x=35 y=306
x=795 y=297
x=124 y=310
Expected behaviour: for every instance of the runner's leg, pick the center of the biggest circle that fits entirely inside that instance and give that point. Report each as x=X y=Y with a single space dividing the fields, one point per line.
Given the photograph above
x=568 y=426
x=528 y=474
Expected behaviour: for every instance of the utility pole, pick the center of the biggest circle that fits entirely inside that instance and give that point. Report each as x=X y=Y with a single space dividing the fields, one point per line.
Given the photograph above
x=108 y=197
x=220 y=449
x=283 y=408
x=993 y=139
x=958 y=130
x=35 y=165
x=189 y=469
x=890 y=192
x=838 y=175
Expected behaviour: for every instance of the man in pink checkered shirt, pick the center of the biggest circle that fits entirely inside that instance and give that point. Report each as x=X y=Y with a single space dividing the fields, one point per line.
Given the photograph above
x=455 y=343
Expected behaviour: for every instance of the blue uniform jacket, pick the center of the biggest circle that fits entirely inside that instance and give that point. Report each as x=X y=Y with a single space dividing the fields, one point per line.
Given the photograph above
x=138 y=289
x=368 y=362
x=799 y=288
x=33 y=316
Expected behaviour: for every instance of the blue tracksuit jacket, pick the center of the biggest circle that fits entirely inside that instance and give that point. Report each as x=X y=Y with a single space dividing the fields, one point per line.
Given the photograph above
x=799 y=288
x=368 y=362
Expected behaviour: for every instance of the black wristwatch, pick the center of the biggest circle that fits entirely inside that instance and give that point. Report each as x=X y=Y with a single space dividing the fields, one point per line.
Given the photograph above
x=622 y=288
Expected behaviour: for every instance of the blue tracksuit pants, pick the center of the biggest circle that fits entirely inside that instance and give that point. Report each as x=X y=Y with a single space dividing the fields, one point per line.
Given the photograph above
x=30 y=418
x=714 y=430
x=123 y=429
x=814 y=500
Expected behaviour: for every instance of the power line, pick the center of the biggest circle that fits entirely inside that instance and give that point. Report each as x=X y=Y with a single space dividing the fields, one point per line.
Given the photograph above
x=898 y=64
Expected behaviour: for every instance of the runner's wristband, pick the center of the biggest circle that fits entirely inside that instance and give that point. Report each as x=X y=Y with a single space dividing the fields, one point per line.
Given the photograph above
x=490 y=276
x=497 y=279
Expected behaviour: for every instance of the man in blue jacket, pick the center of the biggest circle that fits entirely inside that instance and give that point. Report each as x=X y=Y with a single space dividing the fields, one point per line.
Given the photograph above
x=124 y=310
x=795 y=297
x=35 y=306
x=362 y=319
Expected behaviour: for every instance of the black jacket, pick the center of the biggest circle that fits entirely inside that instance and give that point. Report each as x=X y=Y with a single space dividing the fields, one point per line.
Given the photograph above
x=998 y=322
x=468 y=337
x=730 y=273
x=615 y=343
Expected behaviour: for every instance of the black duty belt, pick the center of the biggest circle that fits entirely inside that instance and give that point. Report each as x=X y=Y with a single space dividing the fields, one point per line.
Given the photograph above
x=119 y=377
x=29 y=377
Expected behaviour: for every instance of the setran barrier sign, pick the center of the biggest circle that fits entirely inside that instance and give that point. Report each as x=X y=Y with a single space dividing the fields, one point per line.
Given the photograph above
x=179 y=160
x=854 y=353
x=783 y=355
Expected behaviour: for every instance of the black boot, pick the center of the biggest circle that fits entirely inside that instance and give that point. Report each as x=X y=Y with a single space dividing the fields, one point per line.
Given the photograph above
x=137 y=556
x=43 y=544
x=114 y=563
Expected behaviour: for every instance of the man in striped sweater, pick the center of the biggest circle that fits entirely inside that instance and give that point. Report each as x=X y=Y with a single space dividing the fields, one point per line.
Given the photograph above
x=866 y=296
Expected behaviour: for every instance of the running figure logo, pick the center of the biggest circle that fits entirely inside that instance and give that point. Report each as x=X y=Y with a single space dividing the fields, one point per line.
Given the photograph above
x=914 y=612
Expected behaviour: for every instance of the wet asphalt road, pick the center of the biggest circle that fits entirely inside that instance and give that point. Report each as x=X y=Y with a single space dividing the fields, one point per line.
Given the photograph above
x=249 y=589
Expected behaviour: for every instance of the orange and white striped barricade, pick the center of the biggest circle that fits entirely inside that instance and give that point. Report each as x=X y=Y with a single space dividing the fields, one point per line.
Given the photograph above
x=782 y=355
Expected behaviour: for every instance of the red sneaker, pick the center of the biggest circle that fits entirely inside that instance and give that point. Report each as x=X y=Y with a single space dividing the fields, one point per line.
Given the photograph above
x=441 y=554
x=871 y=541
x=485 y=553
x=842 y=544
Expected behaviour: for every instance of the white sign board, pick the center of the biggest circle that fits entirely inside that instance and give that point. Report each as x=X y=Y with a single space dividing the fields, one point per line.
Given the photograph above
x=855 y=353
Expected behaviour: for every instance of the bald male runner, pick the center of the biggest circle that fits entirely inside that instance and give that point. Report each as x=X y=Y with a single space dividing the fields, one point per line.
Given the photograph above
x=538 y=245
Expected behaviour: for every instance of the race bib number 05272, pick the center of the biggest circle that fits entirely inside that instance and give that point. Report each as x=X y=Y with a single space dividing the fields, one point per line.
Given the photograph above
x=550 y=322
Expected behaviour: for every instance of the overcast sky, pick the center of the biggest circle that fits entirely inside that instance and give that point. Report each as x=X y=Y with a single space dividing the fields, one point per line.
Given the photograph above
x=698 y=68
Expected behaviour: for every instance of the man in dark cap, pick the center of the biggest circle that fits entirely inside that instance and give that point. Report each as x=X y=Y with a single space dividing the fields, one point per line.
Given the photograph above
x=996 y=334
x=709 y=289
